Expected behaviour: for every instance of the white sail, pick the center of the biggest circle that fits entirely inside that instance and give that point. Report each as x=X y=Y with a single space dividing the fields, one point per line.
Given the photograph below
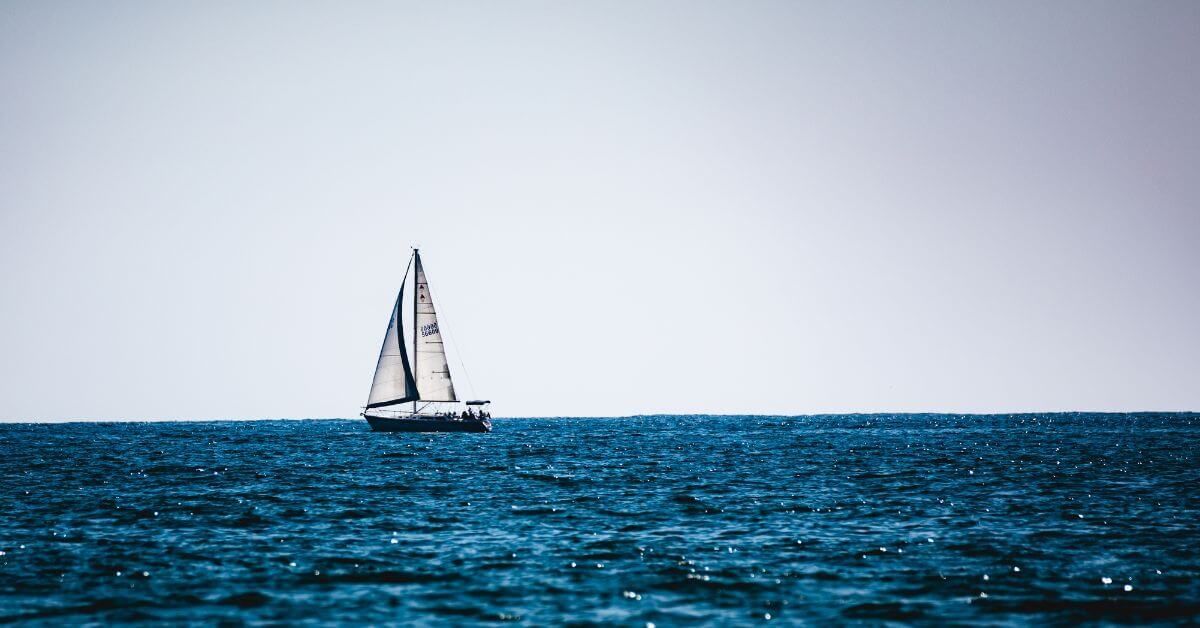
x=431 y=371
x=393 y=381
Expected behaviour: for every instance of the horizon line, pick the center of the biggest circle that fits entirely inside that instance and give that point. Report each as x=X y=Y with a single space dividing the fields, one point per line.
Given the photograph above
x=7 y=421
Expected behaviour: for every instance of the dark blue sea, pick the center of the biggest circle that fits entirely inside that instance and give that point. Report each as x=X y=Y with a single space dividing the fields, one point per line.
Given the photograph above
x=998 y=519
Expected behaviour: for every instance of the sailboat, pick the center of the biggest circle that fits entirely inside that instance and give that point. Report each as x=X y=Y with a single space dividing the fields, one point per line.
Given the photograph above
x=424 y=381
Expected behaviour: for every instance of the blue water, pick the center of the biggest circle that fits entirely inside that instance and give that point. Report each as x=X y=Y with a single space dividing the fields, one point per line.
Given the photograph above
x=667 y=520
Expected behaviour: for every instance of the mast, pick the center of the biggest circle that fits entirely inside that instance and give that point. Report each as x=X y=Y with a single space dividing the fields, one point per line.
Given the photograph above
x=416 y=261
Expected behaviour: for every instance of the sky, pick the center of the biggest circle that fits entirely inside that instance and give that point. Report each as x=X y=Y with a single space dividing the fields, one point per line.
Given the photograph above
x=623 y=207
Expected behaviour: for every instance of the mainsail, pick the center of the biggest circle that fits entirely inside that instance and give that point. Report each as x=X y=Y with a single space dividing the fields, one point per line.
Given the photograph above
x=393 y=381
x=429 y=354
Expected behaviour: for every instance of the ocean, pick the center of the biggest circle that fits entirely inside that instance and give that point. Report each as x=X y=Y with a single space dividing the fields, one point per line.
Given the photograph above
x=671 y=520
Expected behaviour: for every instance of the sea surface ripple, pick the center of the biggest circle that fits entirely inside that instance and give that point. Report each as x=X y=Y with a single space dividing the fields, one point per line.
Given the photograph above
x=673 y=520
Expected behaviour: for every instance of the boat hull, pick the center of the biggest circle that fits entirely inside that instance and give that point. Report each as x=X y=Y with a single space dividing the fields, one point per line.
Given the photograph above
x=427 y=424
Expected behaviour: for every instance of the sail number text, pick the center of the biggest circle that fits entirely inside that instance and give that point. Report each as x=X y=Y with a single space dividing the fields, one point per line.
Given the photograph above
x=429 y=330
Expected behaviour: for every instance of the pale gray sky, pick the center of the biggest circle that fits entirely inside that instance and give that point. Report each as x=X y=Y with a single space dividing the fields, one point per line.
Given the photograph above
x=623 y=207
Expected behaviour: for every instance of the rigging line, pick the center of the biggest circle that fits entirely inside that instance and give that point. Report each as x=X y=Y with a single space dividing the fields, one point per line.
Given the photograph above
x=458 y=352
